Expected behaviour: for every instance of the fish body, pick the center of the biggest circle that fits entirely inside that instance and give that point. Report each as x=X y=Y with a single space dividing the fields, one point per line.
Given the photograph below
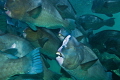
x=44 y=15
x=3 y=23
x=80 y=61
x=89 y=21
x=113 y=46
x=45 y=39
x=9 y=41
x=107 y=7
x=99 y=40
x=26 y=65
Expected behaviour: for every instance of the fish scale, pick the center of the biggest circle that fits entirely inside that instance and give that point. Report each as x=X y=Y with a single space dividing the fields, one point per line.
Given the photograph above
x=16 y=69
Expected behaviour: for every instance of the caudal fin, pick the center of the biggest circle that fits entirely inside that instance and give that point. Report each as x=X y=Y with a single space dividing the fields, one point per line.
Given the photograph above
x=37 y=66
x=70 y=26
x=35 y=69
x=110 y=22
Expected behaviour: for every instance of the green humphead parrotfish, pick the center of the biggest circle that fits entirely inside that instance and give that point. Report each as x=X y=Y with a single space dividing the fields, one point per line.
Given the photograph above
x=80 y=61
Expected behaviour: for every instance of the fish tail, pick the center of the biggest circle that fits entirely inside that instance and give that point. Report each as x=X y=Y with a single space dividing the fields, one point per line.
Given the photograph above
x=37 y=66
x=70 y=25
x=109 y=22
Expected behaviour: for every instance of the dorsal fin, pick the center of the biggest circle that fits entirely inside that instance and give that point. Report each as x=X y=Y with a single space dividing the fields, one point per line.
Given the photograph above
x=79 y=38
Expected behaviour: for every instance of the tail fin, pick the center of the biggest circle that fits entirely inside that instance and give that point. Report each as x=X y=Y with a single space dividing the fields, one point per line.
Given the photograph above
x=110 y=22
x=37 y=66
x=35 y=69
x=70 y=26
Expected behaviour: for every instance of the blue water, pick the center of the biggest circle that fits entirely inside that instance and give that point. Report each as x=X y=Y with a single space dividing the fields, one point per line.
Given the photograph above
x=84 y=7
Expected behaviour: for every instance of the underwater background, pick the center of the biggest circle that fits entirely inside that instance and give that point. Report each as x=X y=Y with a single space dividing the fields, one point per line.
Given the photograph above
x=84 y=7
x=25 y=61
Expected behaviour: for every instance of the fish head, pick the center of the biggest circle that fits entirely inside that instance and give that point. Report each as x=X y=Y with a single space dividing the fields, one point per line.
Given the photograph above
x=68 y=54
x=15 y=8
x=30 y=35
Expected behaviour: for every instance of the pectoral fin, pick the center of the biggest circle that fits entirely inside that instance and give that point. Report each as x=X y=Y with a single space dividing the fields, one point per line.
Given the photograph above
x=109 y=15
x=35 y=12
x=42 y=41
x=33 y=27
x=12 y=51
x=87 y=65
x=79 y=38
x=27 y=77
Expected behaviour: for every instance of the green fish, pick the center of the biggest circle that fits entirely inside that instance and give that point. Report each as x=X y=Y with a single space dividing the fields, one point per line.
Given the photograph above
x=42 y=14
x=80 y=61
x=45 y=39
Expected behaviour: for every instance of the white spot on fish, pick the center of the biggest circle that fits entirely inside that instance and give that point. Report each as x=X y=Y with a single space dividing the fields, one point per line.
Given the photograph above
x=24 y=35
x=64 y=44
x=60 y=60
x=13 y=45
x=66 y=41
x=8 y=13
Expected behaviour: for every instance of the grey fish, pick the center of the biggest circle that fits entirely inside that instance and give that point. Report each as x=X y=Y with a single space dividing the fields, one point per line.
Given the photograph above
x=80 y=61
x=9 y=41
x=107 y=7
x=89 y=21
x=25 y=67
x=42 y=14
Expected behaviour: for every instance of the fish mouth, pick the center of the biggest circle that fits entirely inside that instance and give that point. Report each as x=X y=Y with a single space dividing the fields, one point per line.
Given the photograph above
x=60 y=58
x=8 y=13
x=59 y=54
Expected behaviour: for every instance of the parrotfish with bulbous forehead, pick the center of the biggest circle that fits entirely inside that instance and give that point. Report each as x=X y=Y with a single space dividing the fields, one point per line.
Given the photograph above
x=80 y=61
x=40 y=13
